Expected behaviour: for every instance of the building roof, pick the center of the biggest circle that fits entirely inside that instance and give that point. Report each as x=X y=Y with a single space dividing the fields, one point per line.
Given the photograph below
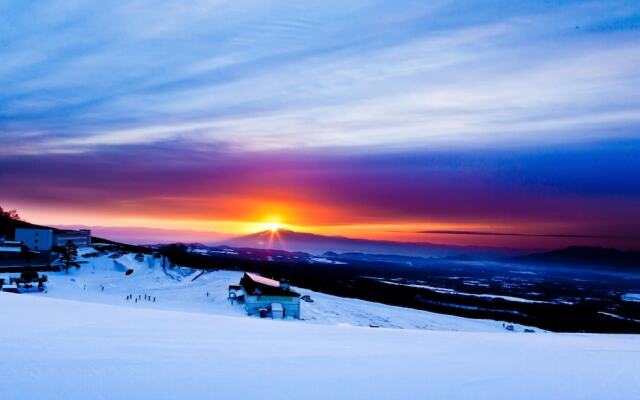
x=83 y=232
x=252 y=282
x=261 y=279
x=33 y=229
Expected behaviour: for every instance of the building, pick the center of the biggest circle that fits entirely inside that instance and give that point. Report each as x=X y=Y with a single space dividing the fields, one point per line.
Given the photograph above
x=44 y=239
x=80 y=238
x=10 y=249
x=263 y=296
x=40 y=239
x=28 y=281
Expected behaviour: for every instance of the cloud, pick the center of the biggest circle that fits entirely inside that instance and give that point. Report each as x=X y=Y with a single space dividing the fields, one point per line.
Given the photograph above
x=585 y=188
x=486 y=233
x=278 y=75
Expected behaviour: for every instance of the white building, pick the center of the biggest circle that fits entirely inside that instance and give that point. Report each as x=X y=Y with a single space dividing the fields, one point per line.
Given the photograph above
x=44 y=239
x=80 y=238
x=10 y=249
x=40 y=239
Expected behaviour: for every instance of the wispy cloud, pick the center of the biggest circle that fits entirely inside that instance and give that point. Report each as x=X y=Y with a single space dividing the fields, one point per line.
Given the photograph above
x=488 y=233
x=276 y=75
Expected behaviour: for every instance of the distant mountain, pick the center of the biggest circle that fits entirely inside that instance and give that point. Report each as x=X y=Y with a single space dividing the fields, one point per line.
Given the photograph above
x=319 y=244
x=588 y=256
x=8 y=227
x=139 y=235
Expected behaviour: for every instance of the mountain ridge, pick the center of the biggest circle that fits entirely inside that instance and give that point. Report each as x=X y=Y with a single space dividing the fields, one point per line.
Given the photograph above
x=289 y=240
x=583 y=255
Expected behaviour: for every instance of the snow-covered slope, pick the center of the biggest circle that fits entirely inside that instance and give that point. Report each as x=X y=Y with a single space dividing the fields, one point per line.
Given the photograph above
x=62 y=349
x=176 y=289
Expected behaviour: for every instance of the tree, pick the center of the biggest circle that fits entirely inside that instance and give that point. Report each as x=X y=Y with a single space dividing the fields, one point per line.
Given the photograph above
x=13 y=214
x=69 y=255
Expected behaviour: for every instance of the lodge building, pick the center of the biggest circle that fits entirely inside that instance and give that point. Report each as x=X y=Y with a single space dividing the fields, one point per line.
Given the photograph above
x=266 y=297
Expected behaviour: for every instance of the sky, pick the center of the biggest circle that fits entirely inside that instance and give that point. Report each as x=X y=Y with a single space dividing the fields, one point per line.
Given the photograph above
x=497 y=123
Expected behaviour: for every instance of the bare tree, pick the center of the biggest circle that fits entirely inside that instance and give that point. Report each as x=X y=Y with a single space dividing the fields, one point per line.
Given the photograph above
x=13 y=214
x=69 y=256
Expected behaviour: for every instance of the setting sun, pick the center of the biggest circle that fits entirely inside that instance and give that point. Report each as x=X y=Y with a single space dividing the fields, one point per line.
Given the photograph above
x=274 y=226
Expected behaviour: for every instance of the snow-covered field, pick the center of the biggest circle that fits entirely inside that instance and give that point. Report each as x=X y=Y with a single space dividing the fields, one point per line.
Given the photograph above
x=176 y=290
x=631 y=297
x=80 y=342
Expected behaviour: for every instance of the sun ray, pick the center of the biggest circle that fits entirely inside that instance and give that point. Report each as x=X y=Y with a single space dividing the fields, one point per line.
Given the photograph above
x=274 y=226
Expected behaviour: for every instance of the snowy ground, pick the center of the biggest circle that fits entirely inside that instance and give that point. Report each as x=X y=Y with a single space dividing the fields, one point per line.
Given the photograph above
x=67 y=345
x=176 y=290
x=631 y=297
x=62 y=349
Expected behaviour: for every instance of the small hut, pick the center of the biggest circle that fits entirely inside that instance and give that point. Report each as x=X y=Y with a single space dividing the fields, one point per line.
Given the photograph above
x=259 y=294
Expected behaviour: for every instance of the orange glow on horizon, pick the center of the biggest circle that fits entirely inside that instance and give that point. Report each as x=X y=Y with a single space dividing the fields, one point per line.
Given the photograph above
x=241 y=216
x=318 y=220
